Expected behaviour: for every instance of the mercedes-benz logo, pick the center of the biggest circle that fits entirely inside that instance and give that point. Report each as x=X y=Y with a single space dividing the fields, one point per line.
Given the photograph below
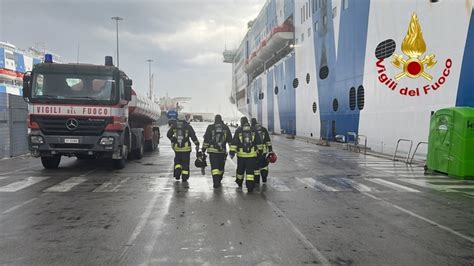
x=72 y=124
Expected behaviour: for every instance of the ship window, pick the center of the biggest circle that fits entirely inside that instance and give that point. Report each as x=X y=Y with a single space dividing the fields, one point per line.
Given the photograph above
x=335 y=105
x=334 y=12
x=352 y=98
x=307 y=10
x=301 y=15
x=315 y=107
x=345 y=4
x=385 y=49
x=302 y=37
x=304 y=13
x=284 y=87
x=248 y=100
x=276 y=90
x=309 y=32
x=295 y=83
x=316 y=26
x=308 y=78
x=360 y=97
x=325 y=20
x=323 y=72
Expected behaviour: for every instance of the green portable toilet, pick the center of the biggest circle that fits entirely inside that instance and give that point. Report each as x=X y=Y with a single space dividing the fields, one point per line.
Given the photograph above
x=451 y=142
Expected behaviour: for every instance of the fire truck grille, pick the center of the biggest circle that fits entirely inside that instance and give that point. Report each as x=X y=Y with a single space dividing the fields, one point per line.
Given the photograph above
x=79 y=127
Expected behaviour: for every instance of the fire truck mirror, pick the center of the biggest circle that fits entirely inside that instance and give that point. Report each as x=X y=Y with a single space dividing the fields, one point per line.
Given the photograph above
x=27 y=85
x=128 y=82
x=128 y=93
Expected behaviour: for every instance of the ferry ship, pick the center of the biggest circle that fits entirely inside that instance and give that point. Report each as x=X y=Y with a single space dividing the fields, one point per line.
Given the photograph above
x=332 y=69
x=14 y=63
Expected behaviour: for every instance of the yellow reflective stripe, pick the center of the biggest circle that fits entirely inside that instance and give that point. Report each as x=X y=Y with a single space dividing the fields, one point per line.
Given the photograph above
x=178 y=166
x=250 y=177
x=205 y=145
x=221 y=172
x=233 y=148
x=260 y=146
x=178 y=149
x=240 y=176
x=215 y=172
x=246 y=155
x=269 y=143
x=184 y=172
x=256 y=172
x=212 y=150
x=264 y=168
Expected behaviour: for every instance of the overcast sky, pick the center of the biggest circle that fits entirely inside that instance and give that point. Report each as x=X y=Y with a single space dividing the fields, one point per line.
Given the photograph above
x=184 y=38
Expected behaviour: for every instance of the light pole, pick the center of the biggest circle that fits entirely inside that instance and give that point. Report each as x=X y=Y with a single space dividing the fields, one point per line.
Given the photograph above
x=149 y=78
x=117 y=19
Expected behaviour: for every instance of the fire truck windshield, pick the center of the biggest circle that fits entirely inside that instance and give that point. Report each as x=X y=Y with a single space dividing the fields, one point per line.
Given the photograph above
x=55 y=87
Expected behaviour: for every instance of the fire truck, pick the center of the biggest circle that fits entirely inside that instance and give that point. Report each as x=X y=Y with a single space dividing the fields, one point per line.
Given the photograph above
x=87 y=111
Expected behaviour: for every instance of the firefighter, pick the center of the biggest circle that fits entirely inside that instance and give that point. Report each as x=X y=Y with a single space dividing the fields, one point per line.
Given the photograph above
x=216 y=138
x=247 y=144
x=262 y=163
x=180 y=134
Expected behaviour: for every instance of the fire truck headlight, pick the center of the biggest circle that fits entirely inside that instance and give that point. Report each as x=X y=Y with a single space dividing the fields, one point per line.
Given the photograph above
x=36 y=139
x=105 y=141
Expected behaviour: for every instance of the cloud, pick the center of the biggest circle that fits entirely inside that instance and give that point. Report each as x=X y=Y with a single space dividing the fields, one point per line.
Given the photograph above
x=185 y=38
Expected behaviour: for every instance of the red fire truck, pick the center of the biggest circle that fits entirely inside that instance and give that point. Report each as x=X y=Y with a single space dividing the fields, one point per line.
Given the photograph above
x=87 y=111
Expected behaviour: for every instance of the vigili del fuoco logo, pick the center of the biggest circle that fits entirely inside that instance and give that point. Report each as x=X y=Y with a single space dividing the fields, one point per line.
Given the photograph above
x=415 y=63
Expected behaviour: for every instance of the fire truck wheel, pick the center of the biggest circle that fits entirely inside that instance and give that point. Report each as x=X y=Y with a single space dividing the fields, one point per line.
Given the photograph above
x=51 y=162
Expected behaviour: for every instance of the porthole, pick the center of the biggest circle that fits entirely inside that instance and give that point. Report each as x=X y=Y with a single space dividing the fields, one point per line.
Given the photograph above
x=276 y=90
x=262 y=96
x=324 y=72
x=360 y=98
x=311 y=134
x=335 y=105
x=315 y=107
x=385 y=49
x=284 y=87
x=352 y=98
x=308 y=78
x=295 y=83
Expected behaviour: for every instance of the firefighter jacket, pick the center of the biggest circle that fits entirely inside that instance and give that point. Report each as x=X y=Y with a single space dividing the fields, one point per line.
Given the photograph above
x=264 y=137
x=246 y=142
x=180 y=135
x=216 y=138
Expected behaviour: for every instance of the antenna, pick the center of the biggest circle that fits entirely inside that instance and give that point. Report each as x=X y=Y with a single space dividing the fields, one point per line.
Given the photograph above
x=78 y=52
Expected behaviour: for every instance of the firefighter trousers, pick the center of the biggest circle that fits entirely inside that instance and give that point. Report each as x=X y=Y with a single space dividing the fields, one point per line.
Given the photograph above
x=181 y=165
x=246 y=168
x=217 y=166
x=262 y=168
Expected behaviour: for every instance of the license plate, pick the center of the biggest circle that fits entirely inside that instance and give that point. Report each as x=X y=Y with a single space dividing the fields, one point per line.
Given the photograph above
x=71 y=141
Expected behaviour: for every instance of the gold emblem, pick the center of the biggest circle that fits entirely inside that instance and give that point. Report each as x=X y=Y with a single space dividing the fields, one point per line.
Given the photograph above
x=414 y=47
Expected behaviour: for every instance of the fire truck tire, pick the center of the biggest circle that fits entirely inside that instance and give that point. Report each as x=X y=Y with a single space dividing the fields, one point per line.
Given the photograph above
x=120 y=163
x=51 y=162
x=139 y=152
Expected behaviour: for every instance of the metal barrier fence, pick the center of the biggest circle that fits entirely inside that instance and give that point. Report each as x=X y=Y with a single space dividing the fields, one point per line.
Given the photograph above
x=13 y=130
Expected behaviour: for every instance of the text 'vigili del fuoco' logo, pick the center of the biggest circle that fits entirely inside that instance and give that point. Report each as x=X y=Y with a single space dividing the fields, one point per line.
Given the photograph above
x=414 y=64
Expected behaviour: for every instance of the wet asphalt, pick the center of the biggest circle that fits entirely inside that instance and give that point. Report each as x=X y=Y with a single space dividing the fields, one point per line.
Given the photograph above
x=321 y=205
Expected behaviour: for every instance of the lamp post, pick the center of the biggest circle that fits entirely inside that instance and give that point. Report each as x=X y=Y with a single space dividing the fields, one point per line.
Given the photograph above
x=149 y=78
x=117 y=19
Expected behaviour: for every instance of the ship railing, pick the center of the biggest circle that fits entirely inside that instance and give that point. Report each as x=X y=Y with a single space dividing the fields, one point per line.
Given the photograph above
x=416 y=149
x=396 y=149
x=355 y=141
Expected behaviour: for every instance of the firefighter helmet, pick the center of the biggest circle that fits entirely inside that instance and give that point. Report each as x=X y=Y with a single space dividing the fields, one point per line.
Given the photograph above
x=200 y=160
x=271 y=157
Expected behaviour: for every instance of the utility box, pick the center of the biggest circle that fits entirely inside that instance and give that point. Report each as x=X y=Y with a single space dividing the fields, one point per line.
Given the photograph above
x=451 y=142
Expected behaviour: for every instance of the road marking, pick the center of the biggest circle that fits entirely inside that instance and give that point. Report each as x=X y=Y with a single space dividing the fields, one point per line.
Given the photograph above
x=352 y=183
x=300 y=235
x=111 y=186
x=16 y=170
x=18 y=206
x=319 y=186
x=157 y=224
x=14 y=187
x=69 y=183
x=392 y=185
x=468 y=238
x=278 y=185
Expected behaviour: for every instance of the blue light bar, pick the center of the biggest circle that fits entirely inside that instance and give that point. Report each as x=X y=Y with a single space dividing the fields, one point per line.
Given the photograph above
x=48 y=58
